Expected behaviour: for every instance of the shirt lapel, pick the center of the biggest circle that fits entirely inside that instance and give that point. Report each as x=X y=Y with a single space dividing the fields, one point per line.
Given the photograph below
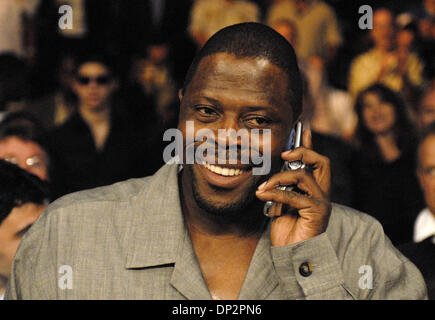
x=157 y=235
x=261 y=278
x=157 y=226
x=187 y=277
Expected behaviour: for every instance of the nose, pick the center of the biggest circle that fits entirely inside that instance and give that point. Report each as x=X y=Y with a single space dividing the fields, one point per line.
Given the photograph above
x=93 y=84
x=372 y=108
x=227 y=132
x=233 y=141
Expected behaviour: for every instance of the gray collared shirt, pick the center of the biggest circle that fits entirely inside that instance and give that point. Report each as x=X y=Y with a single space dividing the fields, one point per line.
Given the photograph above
x=129 y=241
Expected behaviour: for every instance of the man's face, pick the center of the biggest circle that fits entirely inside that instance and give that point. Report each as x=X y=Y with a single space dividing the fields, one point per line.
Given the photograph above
x=427 y=110
x=12 y=230
x=227 y=92
x=93 y=85
x=26 y=154
x=426 y=171
x=383 y=29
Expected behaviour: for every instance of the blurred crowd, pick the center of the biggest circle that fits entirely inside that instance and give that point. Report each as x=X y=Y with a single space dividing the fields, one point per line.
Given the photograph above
x=86 y=106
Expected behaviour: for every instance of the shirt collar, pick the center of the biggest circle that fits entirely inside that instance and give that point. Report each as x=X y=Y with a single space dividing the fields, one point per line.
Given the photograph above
x=157 y=219
x=424 y=226
x=158 y=236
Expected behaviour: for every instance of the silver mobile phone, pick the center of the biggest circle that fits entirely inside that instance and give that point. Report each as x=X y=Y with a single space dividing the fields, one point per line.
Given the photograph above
x=294 y=142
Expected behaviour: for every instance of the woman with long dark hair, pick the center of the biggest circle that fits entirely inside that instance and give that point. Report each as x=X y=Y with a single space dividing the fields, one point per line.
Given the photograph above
x=384 y=167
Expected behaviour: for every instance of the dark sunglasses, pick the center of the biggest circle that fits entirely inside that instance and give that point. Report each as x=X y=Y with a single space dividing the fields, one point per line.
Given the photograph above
x=101 y=80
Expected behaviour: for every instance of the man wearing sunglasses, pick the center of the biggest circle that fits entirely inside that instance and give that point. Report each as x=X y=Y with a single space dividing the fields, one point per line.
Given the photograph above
x=98 y=145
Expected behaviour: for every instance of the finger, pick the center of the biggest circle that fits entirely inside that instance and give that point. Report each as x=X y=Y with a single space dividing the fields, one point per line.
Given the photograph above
x=306 y=139
x=302 y=179
x=318 y=163
x=291 y=198
x=308 y=156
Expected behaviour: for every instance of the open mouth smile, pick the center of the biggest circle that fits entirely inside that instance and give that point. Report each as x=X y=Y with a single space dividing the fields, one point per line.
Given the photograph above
x=226 y=176
x=224 y=171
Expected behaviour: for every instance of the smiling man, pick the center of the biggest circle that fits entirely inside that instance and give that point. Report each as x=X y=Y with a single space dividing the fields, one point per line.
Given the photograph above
x=197 y=231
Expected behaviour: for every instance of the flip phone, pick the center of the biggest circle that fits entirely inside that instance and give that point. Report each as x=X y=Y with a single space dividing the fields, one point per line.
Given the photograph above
x=293 y=143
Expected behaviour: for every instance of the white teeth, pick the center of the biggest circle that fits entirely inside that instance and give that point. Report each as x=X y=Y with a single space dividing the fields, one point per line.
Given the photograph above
x=223 y=171
x=218 y=170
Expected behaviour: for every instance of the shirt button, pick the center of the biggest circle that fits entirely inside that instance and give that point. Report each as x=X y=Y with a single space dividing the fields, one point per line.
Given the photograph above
x=305 y=269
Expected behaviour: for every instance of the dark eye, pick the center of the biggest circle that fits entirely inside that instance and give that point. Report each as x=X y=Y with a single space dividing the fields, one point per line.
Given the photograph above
x=206 y=113
x=205 y=110
x=258 y=121
x=430 y=172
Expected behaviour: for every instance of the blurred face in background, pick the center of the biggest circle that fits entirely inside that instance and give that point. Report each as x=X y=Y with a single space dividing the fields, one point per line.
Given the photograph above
x=383 y=29
x=158 y=53
x=426 y=113
x=405 y=39
x=94 y=86
x=28 y=155
x=426 y=28
x=12 y=229
x=430 y=6
x=379 y=117
x=426 y=171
